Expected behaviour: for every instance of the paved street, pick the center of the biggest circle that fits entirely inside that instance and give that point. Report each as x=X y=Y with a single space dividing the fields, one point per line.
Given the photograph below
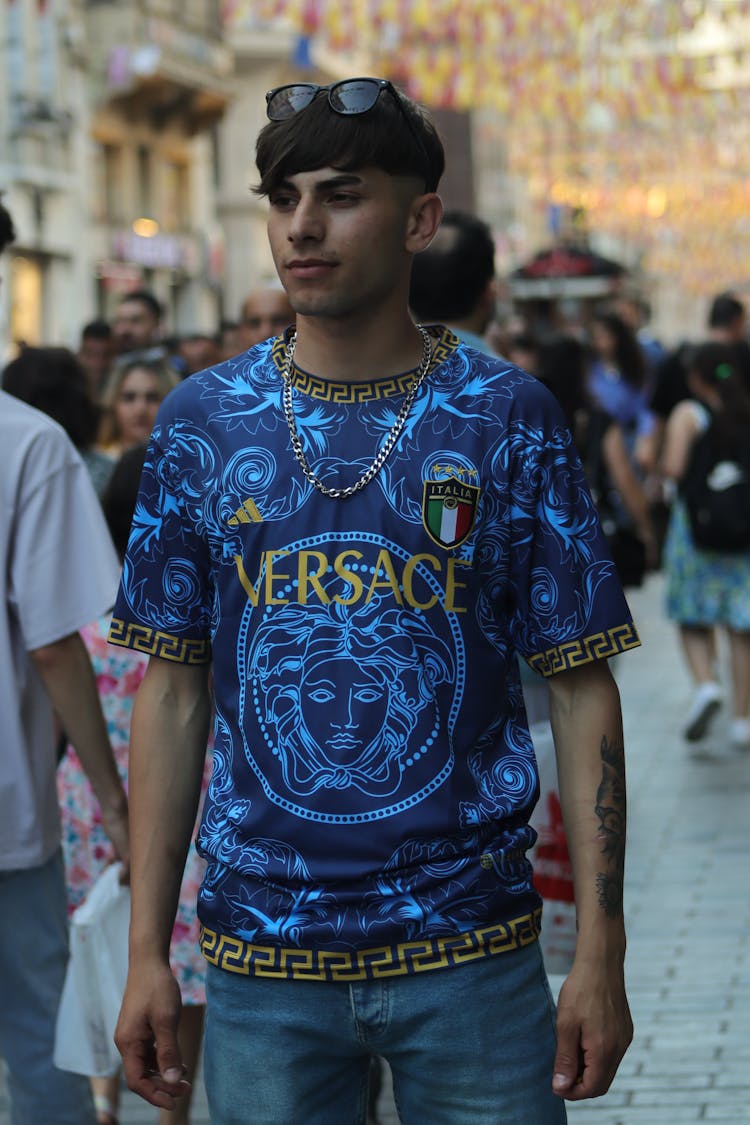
x=688 y=906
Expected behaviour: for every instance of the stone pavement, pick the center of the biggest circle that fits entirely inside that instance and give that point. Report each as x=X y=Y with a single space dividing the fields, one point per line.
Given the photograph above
x=687 y=904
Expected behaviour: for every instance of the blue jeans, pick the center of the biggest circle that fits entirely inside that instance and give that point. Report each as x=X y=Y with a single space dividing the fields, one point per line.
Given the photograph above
x=469 y=1045
x=33 y=957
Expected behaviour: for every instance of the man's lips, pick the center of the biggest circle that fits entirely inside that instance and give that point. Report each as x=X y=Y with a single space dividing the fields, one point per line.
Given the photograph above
x=309 y=267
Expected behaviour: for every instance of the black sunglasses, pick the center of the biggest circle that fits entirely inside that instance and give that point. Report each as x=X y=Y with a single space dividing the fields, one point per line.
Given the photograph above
x=349 y=97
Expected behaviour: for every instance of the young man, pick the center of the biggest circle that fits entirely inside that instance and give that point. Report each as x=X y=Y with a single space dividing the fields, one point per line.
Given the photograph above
x=360 y=525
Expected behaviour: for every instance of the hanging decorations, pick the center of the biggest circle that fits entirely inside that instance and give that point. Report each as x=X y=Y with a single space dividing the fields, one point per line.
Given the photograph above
x=635 y=112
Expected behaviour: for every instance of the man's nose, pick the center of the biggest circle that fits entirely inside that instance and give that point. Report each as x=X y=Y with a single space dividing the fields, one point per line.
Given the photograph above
x=306 y=221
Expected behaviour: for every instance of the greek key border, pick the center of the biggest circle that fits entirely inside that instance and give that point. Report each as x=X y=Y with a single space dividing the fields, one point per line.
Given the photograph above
x=598 y=646
x=247 y=959
x=142 y=638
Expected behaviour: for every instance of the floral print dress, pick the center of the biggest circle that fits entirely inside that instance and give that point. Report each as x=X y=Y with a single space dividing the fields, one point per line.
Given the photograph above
x=86 y=848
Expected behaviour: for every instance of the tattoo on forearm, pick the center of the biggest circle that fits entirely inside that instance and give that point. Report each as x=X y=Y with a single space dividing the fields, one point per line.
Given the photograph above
x=610 y=809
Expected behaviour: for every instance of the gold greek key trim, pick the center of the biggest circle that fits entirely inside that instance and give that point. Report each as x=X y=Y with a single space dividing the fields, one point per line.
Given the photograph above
x=280 y=962
x=349 y=394
x=142 y=638
x=596 y=647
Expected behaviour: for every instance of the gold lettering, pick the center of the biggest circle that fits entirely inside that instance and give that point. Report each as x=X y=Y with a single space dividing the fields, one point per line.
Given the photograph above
x=251 y=591
x=339 y=565
x=408 y=578
x=452 y=584
x=270 y=557
x=390 y=581
x=312 y=578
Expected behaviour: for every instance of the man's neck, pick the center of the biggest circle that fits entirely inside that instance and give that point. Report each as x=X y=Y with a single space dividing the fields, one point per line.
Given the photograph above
x=357 y=351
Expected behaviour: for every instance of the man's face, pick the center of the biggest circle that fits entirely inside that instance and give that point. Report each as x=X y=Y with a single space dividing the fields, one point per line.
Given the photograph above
x=265 y=312
x=134 y=326
x=95 y=356
x=338 y=239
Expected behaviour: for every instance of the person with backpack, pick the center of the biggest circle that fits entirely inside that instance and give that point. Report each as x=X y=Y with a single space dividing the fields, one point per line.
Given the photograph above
x=707 y=552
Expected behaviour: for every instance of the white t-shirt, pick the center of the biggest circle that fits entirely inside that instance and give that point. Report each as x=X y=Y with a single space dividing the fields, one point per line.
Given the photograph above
x=58 y=571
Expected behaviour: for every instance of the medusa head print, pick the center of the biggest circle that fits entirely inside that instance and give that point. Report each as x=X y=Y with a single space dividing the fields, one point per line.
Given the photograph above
x=346 y=710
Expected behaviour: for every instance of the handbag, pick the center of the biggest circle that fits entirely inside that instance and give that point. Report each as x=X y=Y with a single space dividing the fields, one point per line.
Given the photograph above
x=94 y=980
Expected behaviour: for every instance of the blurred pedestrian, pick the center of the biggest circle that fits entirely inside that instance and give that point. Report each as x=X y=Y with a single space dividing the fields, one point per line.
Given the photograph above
x=96 y=352
x=53 y=380
x=265 y=312
x=197 y=351
x=230 y=339
x=632 y=307
x=130 y=402
x=618 y=377
x=86 y=850
x=137 y=325
x=620 y=497
x=709 y=587
x=359 y=529
x=453 y=280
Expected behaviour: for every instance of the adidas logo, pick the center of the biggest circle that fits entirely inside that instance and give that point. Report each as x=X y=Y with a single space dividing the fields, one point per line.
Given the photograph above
x=248 y=513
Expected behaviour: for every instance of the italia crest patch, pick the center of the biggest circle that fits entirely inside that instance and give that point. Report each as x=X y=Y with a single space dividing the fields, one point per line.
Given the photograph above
x=449 y=508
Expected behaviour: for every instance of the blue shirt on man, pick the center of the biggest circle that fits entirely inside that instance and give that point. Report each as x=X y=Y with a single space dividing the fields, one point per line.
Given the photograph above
x=373 y=772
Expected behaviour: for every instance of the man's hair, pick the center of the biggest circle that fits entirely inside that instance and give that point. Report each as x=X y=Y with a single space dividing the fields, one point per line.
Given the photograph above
x=96 y=330
x=450 y=276
x=146 y=298
x=7 y=230
x=317 y=137
x=725 y=310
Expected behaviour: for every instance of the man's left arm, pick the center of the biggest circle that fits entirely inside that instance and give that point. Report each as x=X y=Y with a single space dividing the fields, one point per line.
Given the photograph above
x=594 y=1026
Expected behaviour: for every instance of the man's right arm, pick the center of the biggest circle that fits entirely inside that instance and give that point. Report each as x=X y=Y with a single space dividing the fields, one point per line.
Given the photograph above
x=169 y=732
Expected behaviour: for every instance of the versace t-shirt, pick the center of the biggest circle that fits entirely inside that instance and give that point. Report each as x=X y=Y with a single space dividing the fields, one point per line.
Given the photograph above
x=373 y=772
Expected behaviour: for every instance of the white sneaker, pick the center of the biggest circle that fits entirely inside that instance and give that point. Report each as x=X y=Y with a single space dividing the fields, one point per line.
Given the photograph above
x=706 y=702
x=739 y=733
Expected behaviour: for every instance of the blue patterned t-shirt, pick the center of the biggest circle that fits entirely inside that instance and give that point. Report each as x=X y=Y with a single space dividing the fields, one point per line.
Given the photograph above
x=373 y=772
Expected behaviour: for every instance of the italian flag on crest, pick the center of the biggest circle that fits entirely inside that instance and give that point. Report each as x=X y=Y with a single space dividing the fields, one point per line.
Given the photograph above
x=448 y=511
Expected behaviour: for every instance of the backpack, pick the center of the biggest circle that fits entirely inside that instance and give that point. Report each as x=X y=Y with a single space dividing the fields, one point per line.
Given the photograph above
x=716 y=491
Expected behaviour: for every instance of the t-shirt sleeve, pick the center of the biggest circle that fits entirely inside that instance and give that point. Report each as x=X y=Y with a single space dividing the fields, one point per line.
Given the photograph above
x=567 y=606
x=63 y=567
x=164 y=603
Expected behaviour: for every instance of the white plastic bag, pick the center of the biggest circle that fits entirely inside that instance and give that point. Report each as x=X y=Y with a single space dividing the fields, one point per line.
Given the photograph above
x=553 y=873
x=95 y=980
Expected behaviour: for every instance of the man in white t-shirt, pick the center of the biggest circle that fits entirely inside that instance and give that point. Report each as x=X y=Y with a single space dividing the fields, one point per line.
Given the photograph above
x=58 y=571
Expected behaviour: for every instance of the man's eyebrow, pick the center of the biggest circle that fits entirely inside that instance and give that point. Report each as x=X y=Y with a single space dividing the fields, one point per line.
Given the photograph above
x=345 y=179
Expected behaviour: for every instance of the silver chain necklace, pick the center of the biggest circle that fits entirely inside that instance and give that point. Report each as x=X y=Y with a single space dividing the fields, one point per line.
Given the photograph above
x=392 y=437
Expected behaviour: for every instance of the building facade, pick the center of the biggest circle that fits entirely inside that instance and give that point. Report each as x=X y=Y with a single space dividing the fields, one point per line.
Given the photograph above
x=109 y=123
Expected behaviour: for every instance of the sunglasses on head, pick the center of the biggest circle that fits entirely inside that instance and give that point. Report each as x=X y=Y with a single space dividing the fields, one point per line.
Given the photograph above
x=348 y=97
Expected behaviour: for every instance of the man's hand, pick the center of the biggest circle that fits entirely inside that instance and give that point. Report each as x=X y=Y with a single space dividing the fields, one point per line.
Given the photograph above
x=594 y=1030
x=146 y=1035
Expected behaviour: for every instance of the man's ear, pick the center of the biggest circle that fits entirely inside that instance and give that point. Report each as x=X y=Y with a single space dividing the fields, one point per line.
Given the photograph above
x=423 y=220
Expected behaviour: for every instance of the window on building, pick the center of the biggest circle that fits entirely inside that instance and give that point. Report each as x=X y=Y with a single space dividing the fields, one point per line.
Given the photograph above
x=144 y=173
x=176 y=195
x=107 y=201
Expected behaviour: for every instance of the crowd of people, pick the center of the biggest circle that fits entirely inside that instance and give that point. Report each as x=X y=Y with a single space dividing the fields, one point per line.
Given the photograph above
x=650 y=431
x=641 y=450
